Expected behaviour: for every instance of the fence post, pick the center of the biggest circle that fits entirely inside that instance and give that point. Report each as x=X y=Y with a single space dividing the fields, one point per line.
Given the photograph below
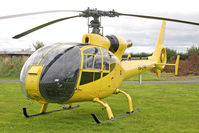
x=140 y=78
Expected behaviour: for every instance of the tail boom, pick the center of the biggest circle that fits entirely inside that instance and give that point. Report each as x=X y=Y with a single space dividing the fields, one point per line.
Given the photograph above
x=134 y=67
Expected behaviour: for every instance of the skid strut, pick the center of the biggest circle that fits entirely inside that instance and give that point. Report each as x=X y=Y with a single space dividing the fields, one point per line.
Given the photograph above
x=99 y=121
x=109 y=111
x=43 y=110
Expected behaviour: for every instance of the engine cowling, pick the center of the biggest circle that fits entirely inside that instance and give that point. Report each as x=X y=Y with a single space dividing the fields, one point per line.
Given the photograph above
x=115 y=44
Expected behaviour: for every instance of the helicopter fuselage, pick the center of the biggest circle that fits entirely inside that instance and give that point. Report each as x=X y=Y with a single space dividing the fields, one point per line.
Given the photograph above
x=73 y=72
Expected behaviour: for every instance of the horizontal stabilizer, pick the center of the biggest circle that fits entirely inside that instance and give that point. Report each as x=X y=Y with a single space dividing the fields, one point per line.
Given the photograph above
x=176 y=65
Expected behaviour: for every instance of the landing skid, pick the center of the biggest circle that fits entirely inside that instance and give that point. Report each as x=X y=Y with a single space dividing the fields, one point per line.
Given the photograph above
x=43 y=113
x=99 y=121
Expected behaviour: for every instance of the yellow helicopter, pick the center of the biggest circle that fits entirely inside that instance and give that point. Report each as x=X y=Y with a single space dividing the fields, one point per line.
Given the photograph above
x=66 y=73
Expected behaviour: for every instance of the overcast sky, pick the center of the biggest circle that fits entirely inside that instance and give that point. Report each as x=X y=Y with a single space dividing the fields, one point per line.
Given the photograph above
x=143 y=32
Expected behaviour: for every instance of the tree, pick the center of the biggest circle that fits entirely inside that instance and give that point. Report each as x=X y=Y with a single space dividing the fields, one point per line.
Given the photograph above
x=38 y=45
x=192 y=50
x=170 y=53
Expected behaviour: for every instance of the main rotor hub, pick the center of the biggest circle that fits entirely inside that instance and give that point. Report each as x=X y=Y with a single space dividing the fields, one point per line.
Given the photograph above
x=98 y=13
x=95 y=24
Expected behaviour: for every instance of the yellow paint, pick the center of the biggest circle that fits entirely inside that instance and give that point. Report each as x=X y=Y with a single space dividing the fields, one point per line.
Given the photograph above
x=177 y=64
x=158 y=72
x=97 y=40
x=159 y=44
x=108 y=109
x=129 y=57
x=122 y=47
x=32 y=83
x=44 y=108
x=135 y=67
x=70 y=105
x=128 y=98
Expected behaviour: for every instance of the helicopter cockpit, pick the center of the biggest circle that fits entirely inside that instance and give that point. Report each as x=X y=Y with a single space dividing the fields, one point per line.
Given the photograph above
x=58 y=77
x=58 y=67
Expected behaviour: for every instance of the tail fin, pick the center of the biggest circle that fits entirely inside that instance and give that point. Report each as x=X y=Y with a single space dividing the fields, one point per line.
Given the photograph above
x=160 y=55
x=159 y=46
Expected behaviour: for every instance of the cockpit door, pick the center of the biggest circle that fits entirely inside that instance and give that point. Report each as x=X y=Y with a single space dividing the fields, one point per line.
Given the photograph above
x=92 y=65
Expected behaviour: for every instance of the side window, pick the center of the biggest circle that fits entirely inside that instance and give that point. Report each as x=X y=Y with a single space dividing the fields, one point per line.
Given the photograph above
x=92 y=59
x=98 y=62
x=88 y=61
x=106 y=62
x=92 y=65
x=106 y=59
x=86 y=77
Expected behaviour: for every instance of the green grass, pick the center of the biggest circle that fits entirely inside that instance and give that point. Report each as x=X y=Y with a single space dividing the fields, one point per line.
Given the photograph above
x=164 y=109
x=150 y=76
x=9 y=77
x=146 y=76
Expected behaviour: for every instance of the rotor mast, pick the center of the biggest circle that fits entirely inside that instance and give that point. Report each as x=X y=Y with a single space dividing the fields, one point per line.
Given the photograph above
x=95 y=24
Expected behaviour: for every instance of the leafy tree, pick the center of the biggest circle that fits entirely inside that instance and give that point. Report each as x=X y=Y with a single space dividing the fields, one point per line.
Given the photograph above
x=38 y=45
x=170 y=53
x=183 y=56
x=192 y=50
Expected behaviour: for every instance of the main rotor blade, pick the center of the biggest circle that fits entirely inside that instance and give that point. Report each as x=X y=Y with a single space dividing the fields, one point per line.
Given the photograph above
x=36 y=13
x=42 y=26
x=158 y=18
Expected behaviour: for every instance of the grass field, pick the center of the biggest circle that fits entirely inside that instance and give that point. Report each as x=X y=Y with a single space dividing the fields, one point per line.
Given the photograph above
x=164 y=109
x=146 y=76
x=150 y=76
x=9 y=77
